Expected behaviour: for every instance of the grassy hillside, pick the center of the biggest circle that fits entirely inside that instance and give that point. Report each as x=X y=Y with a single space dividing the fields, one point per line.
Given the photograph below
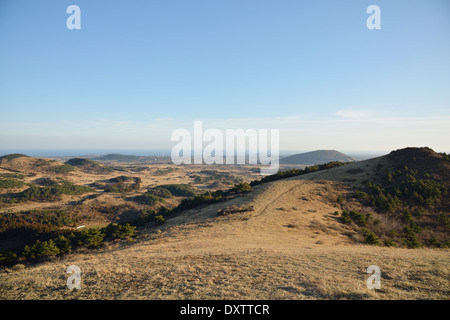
x=301 y=234
x=89 y=166
x=316 y=157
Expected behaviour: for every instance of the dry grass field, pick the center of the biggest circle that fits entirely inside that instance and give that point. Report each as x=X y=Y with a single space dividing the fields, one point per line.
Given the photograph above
x=290 y=245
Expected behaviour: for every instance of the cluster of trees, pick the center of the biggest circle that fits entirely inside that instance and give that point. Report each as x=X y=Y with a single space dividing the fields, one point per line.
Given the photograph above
x=39 y=220
x=10 y=183
x=121 y=185
x=403 y=188
x=65 y=243
x=178 y=190
x=12 y=175
x=149 y=198
x=357 y=217
x=410 y=197
x=64 y=168
x=164 y=171
x=46 y=193
x=159 y=193
x=408 y=236
x=12 y=156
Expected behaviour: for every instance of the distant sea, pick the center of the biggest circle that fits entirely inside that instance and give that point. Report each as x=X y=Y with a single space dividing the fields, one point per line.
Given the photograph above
x=82 y=152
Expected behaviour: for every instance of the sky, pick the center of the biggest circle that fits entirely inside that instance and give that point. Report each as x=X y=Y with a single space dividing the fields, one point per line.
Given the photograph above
x=138 y=70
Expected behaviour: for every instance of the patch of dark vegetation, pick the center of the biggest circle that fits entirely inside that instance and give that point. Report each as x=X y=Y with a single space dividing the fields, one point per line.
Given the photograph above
x=10 y=184
x=235 y=209
x=165 y=171
x=19 y=176
x=61 y=243
x=47 y=193
x=64 y=168
x=88 y=165
x=179 y=190
x=12 y=156
x=165 y=191
x=124 y=184
x=413 y=196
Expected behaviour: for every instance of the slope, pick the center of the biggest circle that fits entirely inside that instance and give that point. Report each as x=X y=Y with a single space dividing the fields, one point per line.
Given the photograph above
x=316 y=157
x=288 y=245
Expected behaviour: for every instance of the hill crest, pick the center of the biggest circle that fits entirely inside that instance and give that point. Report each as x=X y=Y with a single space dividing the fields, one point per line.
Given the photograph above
x=316 y=157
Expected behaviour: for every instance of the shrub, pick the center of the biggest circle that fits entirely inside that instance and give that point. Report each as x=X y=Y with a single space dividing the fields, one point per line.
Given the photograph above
x=410 y=240
x=389 y=242
x=179 y=190
x=435 y=243
x=7 y=258
x=63 y=244
x=90 y=238
x=159 y=219
x=148 y=198
x=124 y=232
x=243 y=187
x=41 y=249
x=370 y=237
x=10 y=184
x=161 y=192
x=65 y=168
x=444 y=220
x=345 y=217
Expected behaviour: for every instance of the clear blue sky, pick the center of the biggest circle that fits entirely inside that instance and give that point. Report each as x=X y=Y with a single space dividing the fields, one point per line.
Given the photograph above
x=139 y=69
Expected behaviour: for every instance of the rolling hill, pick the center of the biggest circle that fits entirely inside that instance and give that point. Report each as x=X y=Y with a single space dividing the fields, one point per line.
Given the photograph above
x=316 y=157
x=88 y=166
x=23 y=163
x=286 y=239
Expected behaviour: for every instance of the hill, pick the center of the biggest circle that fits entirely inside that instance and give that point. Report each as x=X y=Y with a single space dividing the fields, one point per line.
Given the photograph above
x=316 y=157
x=12 y=156
x=22 y=163
x=88 y=166
x=285 y=239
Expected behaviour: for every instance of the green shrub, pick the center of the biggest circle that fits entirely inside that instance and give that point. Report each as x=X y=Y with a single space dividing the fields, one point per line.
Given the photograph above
x=64 y=168
x=64 y=245
x=159 y=219
x=160 y=192
x=444 y=220
x=10 y=184
x=435 y=243
x=243 y=187
x=7 y=258
x=345 y=217
x=124 y=232
x=179 y=190
x=148 y=198
x=370 y=237
x=389 y=242
x=90 y=238
x=41 y=249
x=410 y=240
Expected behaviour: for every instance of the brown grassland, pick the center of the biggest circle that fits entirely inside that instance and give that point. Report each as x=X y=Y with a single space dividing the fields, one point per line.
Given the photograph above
x=290 y=245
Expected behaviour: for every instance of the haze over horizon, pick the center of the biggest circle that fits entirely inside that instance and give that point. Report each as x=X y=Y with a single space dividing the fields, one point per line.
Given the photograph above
x=135 y=72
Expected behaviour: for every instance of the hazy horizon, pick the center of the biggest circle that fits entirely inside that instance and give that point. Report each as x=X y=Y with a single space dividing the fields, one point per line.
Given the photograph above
x=159 y=152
